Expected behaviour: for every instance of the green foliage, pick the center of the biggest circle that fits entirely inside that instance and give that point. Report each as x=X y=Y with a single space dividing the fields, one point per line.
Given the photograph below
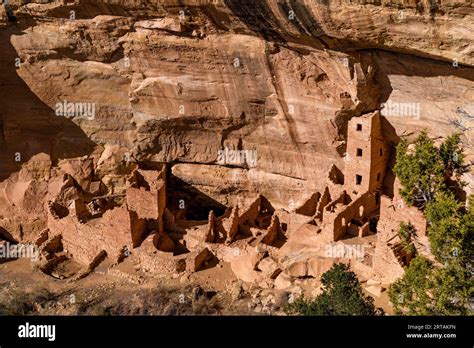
x=445 y=288
x=341 y=295
x=424 y=170
x=450 y=229
x=454 y=287
x=427 y=290
x=467 y=245
x=452 y=156
x=443 y=207
x=406 y=232
x=421 y=171
x=412 y=294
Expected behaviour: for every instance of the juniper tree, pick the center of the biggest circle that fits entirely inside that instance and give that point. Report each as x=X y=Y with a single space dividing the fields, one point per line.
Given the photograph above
x=341 y=295
x=445 y=286
x=453 y=156
x=427 y=289
x=406 y=232
x=412 y=294
x=421 y=171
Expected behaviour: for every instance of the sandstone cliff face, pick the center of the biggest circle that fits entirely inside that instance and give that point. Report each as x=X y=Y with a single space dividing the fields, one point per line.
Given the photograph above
x=273 y=82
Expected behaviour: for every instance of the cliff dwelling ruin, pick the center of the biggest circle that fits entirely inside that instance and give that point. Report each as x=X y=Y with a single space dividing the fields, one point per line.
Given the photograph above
x=223 y=139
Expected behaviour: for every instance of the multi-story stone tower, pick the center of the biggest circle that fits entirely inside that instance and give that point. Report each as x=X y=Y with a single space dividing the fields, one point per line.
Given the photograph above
x=366 y=154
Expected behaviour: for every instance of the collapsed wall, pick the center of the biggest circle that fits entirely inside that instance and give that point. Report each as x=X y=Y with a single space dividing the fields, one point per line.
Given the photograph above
x=115 y=231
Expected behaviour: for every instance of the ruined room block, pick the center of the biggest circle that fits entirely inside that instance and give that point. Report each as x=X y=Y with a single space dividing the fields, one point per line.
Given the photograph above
x=195 y=237
x=114 y=231
x=348 y=219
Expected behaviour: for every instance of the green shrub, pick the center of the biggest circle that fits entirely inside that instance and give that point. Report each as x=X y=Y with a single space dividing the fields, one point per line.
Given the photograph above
x=341 y=295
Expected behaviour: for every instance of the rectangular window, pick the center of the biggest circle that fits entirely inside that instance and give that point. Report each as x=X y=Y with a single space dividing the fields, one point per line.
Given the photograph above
x=358 y=179
x=378 y=177
x=359 y=127
x=381 y=152
x=359 y=152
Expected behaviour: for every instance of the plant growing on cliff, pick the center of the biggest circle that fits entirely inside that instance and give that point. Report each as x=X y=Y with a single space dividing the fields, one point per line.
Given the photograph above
x=412 y=294
x=451 y=229
x=453 y=156
x=424 y=169
x=443 y=287
x=341 y=295
x=426 y=173
x=406 y=232
x=429 y=290
x=454 y=288
x=451 y=235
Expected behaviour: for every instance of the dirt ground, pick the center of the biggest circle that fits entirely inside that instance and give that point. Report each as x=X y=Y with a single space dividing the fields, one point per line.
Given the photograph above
x=25 y=290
